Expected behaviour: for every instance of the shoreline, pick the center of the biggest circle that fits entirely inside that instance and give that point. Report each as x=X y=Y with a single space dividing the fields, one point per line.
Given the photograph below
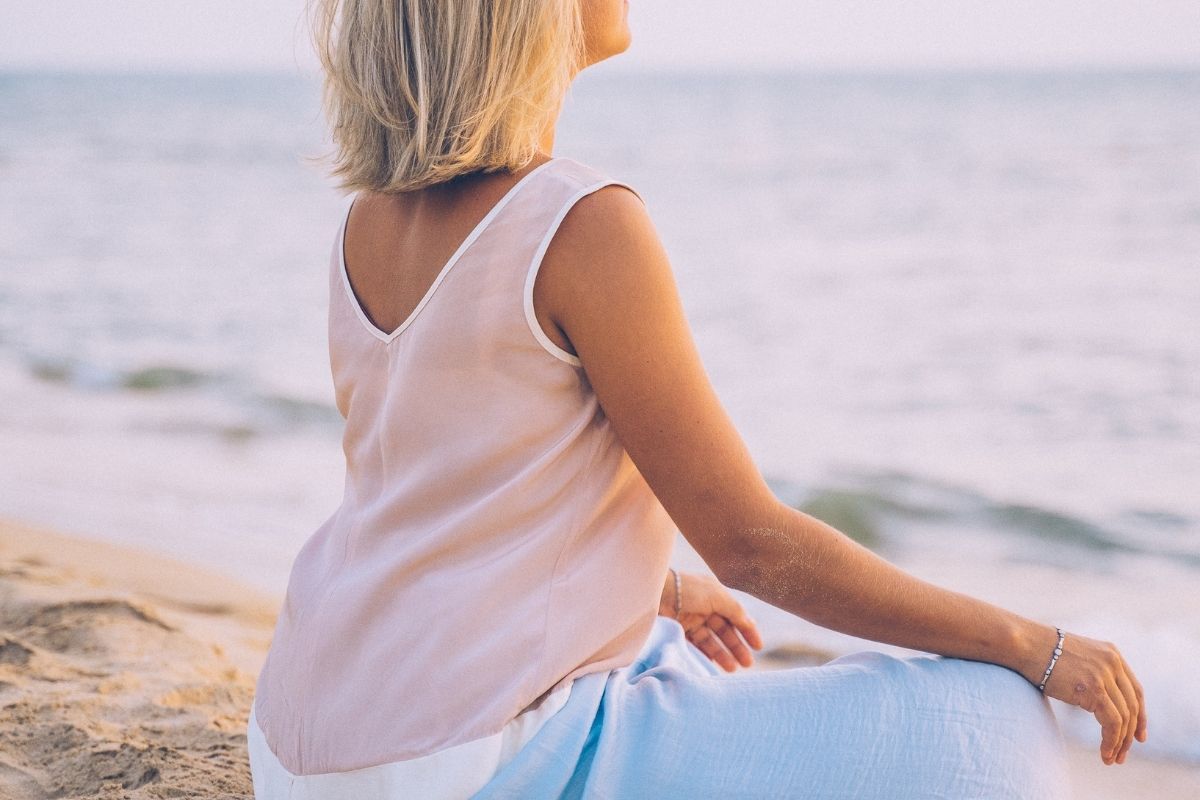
x=128 y=674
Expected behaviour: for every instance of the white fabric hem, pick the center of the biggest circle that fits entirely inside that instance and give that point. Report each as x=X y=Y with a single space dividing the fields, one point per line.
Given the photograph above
x=451 y=774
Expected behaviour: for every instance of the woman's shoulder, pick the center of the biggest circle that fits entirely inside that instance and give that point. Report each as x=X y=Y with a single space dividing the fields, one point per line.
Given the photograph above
x=603 y=228
x=588 y=177
x=600 y=245
x=603 y=215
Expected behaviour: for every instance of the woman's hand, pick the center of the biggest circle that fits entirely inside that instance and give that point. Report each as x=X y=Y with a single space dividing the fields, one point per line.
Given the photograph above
x=712 y=619
x=1094 y=676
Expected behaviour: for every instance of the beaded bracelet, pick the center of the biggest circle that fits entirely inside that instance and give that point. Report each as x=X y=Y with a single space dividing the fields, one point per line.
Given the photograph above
x=678 y=589
x=1053 y=660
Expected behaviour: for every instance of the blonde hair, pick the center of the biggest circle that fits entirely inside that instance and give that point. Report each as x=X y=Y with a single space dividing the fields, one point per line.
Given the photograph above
x=419 y=91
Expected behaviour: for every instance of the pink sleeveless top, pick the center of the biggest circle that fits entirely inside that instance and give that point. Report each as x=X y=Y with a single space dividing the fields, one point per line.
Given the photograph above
x=494 y=539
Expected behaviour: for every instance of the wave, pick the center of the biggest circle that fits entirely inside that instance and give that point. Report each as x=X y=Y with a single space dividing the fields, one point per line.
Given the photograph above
x=237 y=410
x=86 y=375
x=877 y=506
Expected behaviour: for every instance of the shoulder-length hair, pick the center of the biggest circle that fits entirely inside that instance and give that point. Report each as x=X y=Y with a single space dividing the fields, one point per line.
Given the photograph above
x=419 y=91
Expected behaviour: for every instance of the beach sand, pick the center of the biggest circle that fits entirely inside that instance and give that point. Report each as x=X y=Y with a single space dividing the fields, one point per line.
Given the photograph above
x=122 y=674
x=125 y=674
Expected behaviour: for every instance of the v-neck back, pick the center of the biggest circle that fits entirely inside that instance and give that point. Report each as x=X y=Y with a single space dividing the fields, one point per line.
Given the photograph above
x=352 y=295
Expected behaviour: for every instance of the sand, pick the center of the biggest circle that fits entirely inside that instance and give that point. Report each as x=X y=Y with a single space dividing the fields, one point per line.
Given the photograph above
x=125 y=674
x=122 y=674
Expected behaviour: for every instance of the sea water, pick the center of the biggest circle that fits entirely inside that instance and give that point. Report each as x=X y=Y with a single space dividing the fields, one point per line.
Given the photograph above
x=953 y=314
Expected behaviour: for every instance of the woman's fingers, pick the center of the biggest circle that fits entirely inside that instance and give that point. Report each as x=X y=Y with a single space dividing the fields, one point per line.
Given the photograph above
x=718 y=639
x=1109 y=717
x=1125 y=732
x=728 y=607
x=709 y=644
x=729 y=635
x=745 y=626
x=717 y=624
x=749 y=631
x=1140 y=733
x=1134 y=706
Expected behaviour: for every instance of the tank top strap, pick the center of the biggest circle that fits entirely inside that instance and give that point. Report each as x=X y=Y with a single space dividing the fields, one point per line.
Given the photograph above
x=527 y=225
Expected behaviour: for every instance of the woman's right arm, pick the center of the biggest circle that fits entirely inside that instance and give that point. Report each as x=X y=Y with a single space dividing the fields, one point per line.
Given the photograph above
x=607 y=283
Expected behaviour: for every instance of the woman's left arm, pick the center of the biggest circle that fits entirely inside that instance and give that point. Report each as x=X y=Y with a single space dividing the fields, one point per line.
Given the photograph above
x=712 y=619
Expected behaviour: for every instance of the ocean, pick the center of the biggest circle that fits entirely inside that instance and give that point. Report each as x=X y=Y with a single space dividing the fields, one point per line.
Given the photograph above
x=953 y=314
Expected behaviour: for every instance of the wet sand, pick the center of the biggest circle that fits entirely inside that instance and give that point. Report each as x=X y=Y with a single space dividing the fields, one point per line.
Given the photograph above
x=124 y=674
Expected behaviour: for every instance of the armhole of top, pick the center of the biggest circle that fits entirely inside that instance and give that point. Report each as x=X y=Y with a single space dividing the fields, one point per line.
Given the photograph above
x=531 y=276
x=339 y=241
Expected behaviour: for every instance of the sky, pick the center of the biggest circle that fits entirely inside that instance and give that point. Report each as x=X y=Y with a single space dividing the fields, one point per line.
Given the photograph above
x=667 y=34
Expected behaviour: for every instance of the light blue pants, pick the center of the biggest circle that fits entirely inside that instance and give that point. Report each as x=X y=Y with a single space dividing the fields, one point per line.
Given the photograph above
x=866 y=726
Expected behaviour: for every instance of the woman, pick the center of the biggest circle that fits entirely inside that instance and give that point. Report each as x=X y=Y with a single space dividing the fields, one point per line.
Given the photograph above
x=490 y=611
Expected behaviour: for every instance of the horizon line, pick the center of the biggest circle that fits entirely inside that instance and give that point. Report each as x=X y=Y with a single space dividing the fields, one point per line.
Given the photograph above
x=665 y=70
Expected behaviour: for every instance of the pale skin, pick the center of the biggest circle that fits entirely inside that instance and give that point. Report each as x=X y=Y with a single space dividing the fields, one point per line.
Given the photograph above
x=622 y=316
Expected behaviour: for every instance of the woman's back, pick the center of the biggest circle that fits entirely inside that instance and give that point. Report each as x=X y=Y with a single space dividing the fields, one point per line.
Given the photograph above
x=494 y=540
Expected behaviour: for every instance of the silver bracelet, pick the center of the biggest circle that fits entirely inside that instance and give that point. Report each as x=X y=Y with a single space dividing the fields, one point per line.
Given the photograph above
x=678 y=589
x=1053 y=660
